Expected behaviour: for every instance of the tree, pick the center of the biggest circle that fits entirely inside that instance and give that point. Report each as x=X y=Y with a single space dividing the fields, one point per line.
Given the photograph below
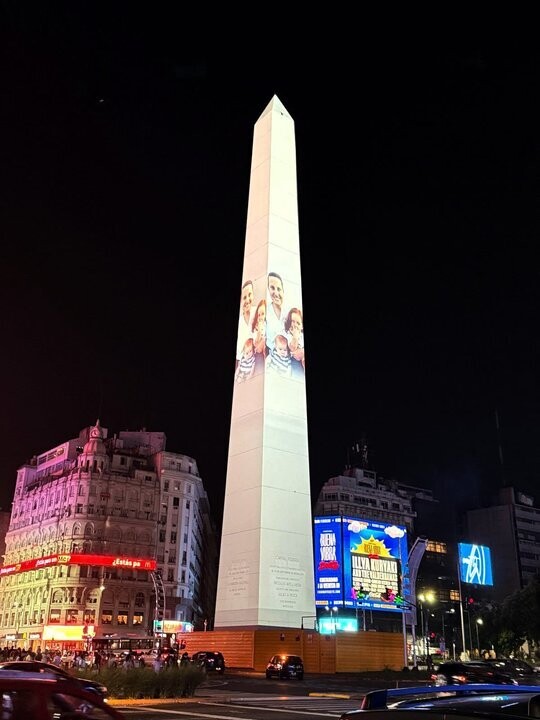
x=507 y=625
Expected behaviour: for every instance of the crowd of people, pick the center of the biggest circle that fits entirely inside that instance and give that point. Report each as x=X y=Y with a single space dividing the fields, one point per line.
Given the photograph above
x=82 y=659
x=65 y=659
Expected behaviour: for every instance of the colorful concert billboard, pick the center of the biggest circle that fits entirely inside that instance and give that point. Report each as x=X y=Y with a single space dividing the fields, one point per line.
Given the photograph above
x=475 y=564
x=359 y=563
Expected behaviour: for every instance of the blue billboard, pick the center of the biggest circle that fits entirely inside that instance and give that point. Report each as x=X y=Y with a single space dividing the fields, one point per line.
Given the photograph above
x=359 y=563
x=475 y=564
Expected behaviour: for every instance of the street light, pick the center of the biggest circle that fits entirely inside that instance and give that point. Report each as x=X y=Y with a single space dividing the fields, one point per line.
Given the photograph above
x=479 y=621
x=331 y=611
x=450 y=612
x=427 y=597
x=359 y=595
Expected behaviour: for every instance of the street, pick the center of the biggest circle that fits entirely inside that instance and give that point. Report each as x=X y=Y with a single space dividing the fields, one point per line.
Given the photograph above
x=250 y=696
x=244 y=708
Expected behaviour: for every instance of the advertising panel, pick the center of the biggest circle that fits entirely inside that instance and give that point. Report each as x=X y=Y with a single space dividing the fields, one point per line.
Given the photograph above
x=115 y=561
x=475 y=564
x=328 y=561
x=359 y=563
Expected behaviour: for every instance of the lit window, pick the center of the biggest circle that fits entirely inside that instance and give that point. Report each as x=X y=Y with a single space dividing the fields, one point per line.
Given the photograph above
x=72 y=617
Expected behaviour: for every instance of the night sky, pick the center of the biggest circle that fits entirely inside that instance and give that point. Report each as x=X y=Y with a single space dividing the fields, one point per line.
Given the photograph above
x=125 y=167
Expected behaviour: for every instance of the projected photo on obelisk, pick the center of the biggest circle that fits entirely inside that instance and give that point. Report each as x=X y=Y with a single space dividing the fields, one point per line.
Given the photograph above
x=266 y=560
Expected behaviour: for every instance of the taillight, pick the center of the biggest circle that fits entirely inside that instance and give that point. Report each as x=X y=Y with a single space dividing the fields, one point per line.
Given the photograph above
x=433 y=677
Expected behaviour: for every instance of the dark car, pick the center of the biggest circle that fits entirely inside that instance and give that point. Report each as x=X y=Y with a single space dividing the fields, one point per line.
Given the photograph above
x=459 y=673
x=285 y=667
x=35 y=666
x=209 y=660
x=44 y=695
x=486 y=701
x=518 y=669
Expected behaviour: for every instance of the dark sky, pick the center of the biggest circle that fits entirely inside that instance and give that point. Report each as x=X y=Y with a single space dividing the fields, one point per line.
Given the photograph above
x=125 y=168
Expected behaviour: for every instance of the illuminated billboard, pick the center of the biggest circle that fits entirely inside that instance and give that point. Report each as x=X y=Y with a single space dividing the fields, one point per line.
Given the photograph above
x=114 y=561
x=475 y=564
x=359 y=563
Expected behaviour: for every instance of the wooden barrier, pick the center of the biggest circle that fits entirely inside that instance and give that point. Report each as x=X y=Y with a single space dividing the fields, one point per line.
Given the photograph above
x=343 y=652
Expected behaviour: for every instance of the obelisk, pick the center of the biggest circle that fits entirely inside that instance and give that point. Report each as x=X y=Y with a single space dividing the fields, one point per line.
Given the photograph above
x=266 y=560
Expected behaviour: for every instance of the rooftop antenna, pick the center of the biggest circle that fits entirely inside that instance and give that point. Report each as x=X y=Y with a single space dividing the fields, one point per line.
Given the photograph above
x=364 y=452
x=499 y=447
x=360 y=453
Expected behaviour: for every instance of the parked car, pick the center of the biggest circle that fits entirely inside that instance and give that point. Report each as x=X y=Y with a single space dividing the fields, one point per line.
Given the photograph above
x=285 y=667
x=44 y=695
x=209 y=660
x=520 y=670
x=35 y=666
x=486 y=701
x=459 y=673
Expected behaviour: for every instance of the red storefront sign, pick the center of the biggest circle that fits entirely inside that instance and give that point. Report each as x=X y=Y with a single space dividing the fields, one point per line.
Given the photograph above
x=116 y=561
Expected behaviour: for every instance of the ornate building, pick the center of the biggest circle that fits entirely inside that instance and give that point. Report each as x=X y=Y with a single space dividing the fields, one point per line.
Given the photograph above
x=359 y=492
x=106 y=536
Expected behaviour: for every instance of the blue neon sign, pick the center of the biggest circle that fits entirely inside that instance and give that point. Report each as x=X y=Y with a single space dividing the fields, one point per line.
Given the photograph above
x=475 y=564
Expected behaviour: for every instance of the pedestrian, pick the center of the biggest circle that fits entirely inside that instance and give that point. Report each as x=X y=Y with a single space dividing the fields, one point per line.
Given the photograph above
x=185 y=659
